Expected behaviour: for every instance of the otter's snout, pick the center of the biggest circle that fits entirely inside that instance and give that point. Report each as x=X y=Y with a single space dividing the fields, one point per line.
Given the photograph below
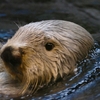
x=11 y=56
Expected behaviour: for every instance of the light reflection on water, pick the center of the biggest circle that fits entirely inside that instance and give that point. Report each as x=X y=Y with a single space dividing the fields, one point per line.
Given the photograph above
x=5 y=35
x=82 y=86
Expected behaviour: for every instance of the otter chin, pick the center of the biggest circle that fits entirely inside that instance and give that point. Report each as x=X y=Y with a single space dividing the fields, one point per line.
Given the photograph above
x=41 y=52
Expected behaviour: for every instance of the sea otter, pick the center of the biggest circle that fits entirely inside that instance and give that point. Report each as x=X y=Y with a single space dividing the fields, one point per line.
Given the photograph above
x=41 y=52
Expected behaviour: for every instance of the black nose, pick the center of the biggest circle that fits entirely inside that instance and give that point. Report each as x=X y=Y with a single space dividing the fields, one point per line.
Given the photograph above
x=10 y=58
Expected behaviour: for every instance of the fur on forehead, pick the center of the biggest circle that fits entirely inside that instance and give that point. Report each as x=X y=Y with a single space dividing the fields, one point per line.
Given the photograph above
x=40 y=30
x=56 y=31
x=53 y=28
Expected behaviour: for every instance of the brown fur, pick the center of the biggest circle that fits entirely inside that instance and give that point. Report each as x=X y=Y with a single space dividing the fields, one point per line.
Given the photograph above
x=38 y=66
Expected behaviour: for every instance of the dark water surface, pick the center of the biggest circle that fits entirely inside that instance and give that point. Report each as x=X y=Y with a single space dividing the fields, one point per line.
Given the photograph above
x=84 y=85
x=5 y=35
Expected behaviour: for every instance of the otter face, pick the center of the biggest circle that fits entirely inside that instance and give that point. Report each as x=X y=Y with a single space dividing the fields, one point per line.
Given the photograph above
x=40 y=52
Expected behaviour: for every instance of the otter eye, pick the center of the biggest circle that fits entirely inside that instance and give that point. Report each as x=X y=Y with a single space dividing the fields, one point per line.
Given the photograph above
x=49 y=46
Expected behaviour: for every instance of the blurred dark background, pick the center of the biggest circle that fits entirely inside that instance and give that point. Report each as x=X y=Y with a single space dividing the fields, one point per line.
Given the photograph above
x=15 y=13
x=83 y=12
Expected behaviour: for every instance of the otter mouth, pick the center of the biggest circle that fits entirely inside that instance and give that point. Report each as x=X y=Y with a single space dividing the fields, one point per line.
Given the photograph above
x=12 y=59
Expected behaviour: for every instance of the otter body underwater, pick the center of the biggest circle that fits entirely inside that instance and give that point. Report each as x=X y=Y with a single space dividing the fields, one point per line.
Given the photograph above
x=40 y=52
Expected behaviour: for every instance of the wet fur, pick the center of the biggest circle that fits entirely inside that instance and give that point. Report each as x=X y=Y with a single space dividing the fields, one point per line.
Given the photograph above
x=39 y=66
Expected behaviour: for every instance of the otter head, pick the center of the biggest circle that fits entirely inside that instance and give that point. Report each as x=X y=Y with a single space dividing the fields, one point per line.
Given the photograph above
x=40 y=52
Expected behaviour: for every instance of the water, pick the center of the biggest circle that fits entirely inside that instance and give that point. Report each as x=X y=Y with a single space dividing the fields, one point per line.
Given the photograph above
x=5 y=35
x=84 y=85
